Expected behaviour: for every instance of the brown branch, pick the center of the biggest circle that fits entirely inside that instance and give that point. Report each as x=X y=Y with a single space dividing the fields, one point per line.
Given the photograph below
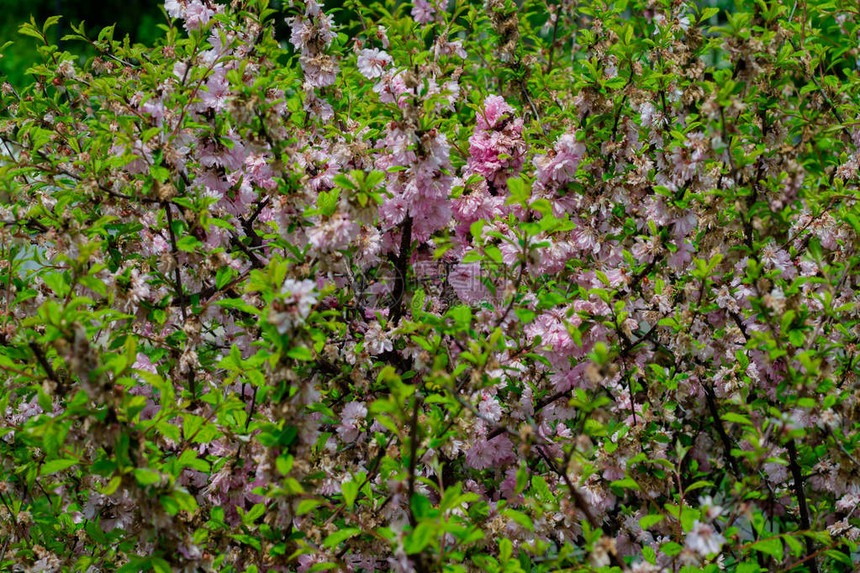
x=256 y=262
x=552 y=43
x=721 y=429
x=580 y=503
x=797 y=476
x=395 y=310
x=736 y=317
x=174 y=250
x=3 y=551
x=43 y=362
x=178 y=288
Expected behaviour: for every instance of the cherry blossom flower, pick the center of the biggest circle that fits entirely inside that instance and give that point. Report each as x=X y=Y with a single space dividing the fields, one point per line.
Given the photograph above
x=376 y=340
x=560 y=168
x=352 y=419
x=372 y=62
x=423 y=11
x=704 y=539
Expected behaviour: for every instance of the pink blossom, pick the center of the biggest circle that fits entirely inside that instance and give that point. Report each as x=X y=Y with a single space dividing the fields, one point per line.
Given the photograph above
x=496 y=149
x=560 y=167
x=376 y=340
x=372 y=62
x=298 y=299
x=486 y=454
x=423 y=11
x=173 y=8
x=490 y=408
x=352 y=419
x=197 y=14
x=333 y=233
x=495 y=109
x=320 y=70
x=704 y=539
x=465 y=278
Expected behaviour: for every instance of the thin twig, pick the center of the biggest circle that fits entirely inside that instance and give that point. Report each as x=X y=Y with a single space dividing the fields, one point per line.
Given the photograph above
x=43 y=362
x=721 y=429
x=552 y=44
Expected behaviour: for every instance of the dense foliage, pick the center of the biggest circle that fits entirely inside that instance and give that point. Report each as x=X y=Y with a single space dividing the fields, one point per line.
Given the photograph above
x=502 y=287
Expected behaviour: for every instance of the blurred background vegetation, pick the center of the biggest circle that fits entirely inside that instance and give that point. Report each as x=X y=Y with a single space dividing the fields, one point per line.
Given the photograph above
x=137 y=18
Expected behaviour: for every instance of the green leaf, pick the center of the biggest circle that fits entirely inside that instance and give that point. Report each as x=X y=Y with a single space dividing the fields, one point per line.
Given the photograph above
x=737 y=418
x=493 y=253
x=373 y=179
x=707 y=13
x=542 y=206
x=135 y=565
x=699 y=485
x=327 y=202
x=520 y=518
x=477 y=228
x=146 y=476
x=837 y=555
x=350 y=492
x=223 y=277
x=519 y=192
x=248 y=540
x=29 y=30
x=237 y=304
x=340 y=536
x=254 y=514
x=55 y=466
x=300 y=353
x=188 y=244
x=796 y=338
x=95 y=532
x=615 y=83
x=649 y=554
x=162 y=174
x=308 y=505
x=112 y=486
x=420 y=538
x=522 y=479
x=650 y=520
x=55 y=432
x=50 y=21
x=160 y=565
x=671 y=549
x=169 y=430
x=189 y=459
x=772 y=547
x=344 y=182
x=626 y=483
x=794 y=545
x=191 y=424
x=462 y=316
x=169 y=504
x=526 y=315
x=418 y=301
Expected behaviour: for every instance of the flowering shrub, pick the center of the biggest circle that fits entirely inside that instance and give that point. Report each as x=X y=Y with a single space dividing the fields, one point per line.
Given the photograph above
x=445 y=286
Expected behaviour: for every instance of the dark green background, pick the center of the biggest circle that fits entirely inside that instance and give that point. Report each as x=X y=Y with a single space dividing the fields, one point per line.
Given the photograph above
x=138 y=18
